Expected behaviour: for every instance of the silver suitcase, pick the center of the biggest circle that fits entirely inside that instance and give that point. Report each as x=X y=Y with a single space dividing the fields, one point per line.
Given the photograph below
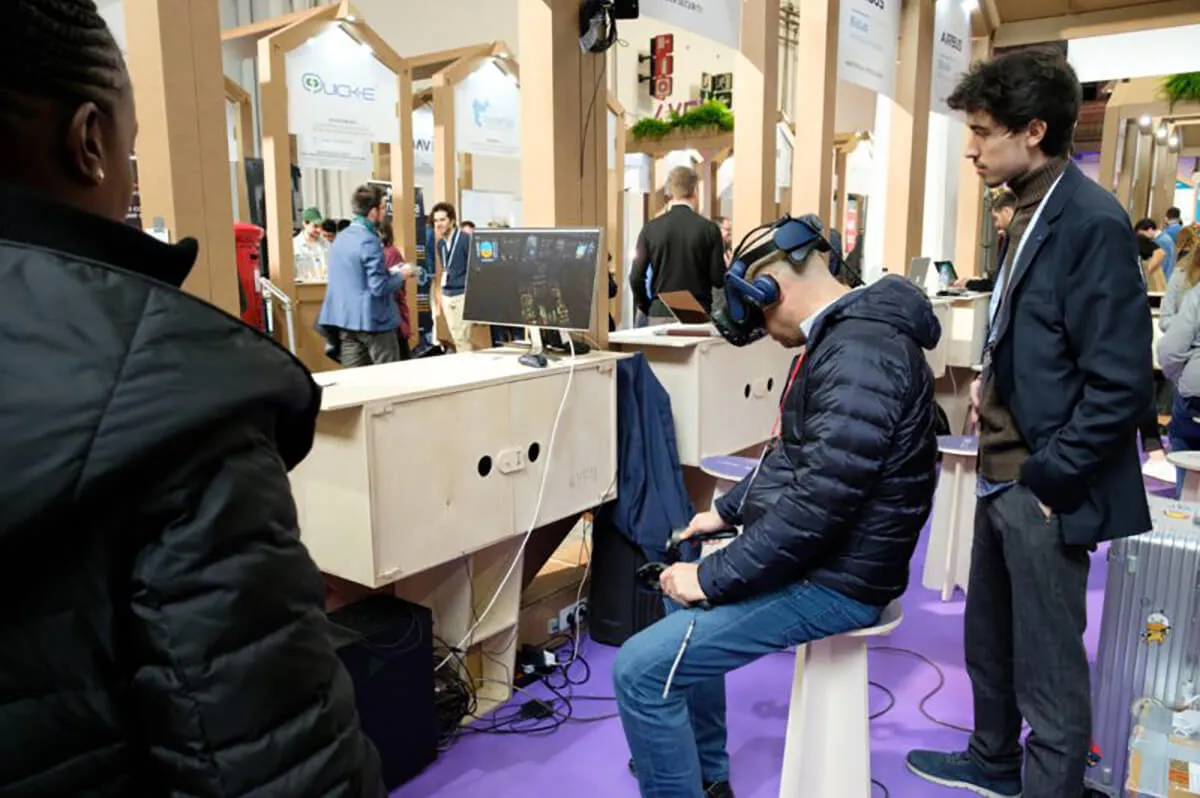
x=1149 y=635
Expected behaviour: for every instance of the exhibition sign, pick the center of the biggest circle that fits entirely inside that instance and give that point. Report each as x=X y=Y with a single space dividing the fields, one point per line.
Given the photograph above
x=487 y=113
x=719 y=20
x=422 y=128
x=868 y=39
x=951 y=52
x=340 y=100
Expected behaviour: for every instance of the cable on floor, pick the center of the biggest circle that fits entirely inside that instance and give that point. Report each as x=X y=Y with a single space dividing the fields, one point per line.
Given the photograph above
x=928 y=696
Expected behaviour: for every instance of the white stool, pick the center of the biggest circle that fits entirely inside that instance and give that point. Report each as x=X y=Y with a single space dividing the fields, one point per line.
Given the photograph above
x=728 y=470
x=828 y=748
x=1190 y=463
x=948 y=559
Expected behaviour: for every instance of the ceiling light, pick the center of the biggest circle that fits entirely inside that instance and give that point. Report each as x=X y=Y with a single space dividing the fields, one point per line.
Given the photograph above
x=1161 y=134
x=970 y=6
x=1145 y=123
x=1173 y=143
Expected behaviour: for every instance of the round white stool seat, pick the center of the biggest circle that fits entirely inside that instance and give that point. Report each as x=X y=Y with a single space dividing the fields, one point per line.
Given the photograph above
x=727 y=467
x=827 y=752
x=1189 y=462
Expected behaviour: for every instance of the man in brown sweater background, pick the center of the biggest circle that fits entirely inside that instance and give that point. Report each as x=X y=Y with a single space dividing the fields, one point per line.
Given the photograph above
x=1065 y=383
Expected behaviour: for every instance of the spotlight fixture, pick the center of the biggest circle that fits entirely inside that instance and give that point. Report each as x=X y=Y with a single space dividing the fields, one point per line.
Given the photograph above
x=1174 y=145
x=1145 y=123
x=1162 y=133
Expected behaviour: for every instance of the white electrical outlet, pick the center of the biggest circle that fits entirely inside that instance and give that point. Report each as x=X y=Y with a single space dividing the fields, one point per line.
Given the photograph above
x=562 y=624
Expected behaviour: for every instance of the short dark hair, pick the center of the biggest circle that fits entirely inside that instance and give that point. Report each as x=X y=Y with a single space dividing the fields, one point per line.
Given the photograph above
x=387 y=234
x=1021 y=86
x=366 y=199
x=1174 y=213
x=446 y=208
x=467 y=223
x=330 y=226
x=1004 y=199
x=342 y=224
x=1145 y=224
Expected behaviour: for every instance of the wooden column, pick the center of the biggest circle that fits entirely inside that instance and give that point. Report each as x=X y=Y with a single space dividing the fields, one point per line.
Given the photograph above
x=816 y=93
x=756 y=76
x=174 y=55
x=909 y=138
x=564 y=175
x=710 y=193
x=839 y=208
x=968 y=234
x=616 y=206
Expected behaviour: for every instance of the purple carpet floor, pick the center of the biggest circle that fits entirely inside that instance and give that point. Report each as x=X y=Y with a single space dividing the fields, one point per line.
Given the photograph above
x=588 y=760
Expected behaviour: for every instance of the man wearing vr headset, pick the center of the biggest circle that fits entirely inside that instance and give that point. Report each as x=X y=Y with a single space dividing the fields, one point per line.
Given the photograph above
x=830 y=517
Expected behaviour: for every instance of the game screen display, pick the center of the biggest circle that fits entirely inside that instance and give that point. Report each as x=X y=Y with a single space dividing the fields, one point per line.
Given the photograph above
x=532 y=277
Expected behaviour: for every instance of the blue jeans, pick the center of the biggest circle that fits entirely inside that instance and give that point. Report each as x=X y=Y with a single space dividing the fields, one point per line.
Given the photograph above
x=678 y=742
x=1184 y=432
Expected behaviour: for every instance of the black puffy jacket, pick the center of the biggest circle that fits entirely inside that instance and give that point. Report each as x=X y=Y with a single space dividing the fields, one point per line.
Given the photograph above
x=842 y=498
x=161 y=625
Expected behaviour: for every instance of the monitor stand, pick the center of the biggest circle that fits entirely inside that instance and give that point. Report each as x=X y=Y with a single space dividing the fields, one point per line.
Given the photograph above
x=536 y=357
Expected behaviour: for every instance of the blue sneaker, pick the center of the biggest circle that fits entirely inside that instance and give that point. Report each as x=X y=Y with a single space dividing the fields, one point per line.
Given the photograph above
x=960 y=771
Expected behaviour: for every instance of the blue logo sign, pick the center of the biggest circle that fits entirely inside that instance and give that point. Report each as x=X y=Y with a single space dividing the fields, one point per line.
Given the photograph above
x=315 y=84
x=487 y=251
x=478 y=110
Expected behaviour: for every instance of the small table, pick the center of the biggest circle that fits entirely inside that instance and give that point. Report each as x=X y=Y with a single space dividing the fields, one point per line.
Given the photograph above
x=1190 y=463
x=948 y=559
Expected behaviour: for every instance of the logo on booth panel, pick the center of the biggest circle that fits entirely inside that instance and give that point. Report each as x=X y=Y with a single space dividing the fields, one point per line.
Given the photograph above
x=315 y=84
x=487 y=251
x=662 y=66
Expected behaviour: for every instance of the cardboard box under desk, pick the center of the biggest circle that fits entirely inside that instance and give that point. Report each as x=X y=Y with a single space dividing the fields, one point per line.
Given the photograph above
x=1164 y=753
x=553 y=589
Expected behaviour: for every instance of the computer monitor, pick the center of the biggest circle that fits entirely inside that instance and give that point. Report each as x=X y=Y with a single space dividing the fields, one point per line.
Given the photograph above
x=539 y=278
x=918 y=271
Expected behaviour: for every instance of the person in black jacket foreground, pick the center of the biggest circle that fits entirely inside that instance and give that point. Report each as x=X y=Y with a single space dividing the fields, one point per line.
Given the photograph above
x=830 y=518
x=161 y=625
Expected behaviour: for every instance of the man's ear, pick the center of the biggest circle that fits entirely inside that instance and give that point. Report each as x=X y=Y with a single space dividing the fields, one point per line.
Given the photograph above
x=1035 y=132
x=85 y=145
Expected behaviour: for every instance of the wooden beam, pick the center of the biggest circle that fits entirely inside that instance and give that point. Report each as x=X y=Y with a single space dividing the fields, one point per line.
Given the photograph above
x=1135 y=17
x=615 y=230
x=817 y=61
x=243 y=131
x=425 y=66
x=257 y=30
x=756 y=73
x=909 y=138
x=174 y=53
x=564 y=176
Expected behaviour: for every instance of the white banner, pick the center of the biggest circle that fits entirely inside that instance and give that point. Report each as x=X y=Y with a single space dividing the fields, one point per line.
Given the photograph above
x=338 y=154
x=422 y=128
x=340 y=99
x=951 y=52
x=487 y=114
x=719 y=20
x=868 y=38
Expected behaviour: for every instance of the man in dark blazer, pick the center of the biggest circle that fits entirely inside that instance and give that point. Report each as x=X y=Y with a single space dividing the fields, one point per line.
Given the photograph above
x=686 y=249
x=1065 y=383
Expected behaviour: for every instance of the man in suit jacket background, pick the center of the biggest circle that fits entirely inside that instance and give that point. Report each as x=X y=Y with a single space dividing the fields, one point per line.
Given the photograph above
x=1065 y=382
x=360 y=297
x=453 y=247
x=685 y=248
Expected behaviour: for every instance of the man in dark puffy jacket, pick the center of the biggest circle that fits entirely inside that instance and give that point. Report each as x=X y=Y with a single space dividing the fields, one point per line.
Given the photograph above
x=830 y=520
x=161 y=624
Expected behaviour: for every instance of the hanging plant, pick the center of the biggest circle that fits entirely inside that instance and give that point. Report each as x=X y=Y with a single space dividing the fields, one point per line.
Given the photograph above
x=708 y=116
x=1182 y=88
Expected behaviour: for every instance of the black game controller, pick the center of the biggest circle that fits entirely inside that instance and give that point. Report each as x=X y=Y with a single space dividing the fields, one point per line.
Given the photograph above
x=648 y=575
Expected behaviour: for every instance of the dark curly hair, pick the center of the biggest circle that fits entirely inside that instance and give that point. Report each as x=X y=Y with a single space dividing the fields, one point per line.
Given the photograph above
x=1021 y=86
x=58 y=50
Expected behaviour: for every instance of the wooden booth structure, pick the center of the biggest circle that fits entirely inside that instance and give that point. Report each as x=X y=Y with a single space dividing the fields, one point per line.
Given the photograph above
x=273 y=40
x=454 y=171
x=243 y=143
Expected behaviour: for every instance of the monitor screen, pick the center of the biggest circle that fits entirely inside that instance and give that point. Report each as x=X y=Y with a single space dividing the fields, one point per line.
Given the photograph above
x=531 y=277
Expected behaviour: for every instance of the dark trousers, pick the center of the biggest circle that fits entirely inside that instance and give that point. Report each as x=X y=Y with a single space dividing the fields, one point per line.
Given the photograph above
x=1026 y=612
x=368 y=348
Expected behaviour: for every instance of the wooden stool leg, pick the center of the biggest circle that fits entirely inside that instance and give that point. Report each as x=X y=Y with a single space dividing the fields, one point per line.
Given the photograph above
x=828 y=748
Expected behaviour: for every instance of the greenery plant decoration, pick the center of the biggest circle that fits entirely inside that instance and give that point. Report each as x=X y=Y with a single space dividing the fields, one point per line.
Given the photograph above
x=1182 y=88
x=710 y=115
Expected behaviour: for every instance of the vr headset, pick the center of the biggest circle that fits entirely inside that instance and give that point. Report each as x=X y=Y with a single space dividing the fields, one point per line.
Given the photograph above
x=739 y=318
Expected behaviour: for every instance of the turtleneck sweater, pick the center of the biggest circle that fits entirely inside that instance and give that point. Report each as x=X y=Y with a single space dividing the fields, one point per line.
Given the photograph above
x=1002 y=450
